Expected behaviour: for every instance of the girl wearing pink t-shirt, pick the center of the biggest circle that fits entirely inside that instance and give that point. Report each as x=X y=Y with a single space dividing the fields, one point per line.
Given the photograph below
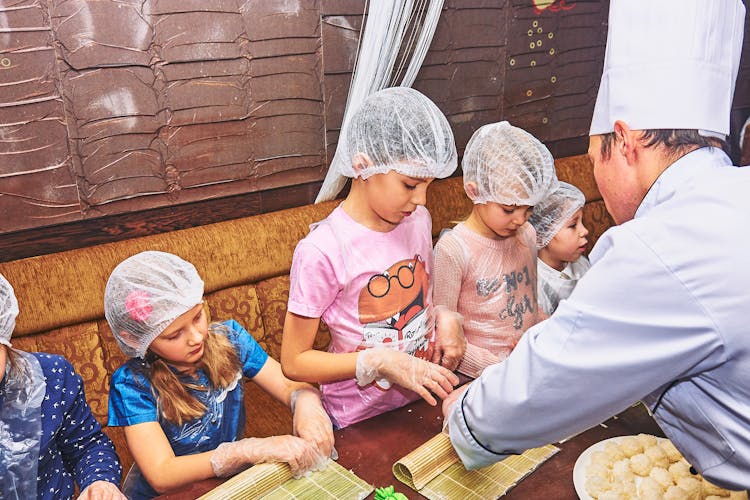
x=366 y=269
x=485 y=267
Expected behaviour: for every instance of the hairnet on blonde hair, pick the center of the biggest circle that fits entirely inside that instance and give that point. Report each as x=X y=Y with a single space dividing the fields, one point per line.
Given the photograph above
x=399 y=129
x=508 y=166
x=144 y=294
x=8 y=311
x=553 y=212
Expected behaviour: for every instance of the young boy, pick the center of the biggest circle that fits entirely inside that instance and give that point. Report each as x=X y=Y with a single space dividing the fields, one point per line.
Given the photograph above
x=561 y=240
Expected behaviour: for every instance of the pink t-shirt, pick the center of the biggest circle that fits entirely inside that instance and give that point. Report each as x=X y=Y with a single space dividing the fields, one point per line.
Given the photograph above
x=492 y=283
x=371 y=288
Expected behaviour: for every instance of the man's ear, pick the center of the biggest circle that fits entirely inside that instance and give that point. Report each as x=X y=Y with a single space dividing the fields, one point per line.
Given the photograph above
x=471 y=190
x=626 y=141
x=361 y=162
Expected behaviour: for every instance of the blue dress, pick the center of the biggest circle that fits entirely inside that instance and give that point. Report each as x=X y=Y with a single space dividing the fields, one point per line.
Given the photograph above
x=72 y=446
x=132 y=401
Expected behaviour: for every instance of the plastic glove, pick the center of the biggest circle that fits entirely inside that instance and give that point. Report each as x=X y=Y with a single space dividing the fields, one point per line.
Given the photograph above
x=301 y=455
x=102 y=490
x=311 y=422
x=407 y=371
x=450 y=343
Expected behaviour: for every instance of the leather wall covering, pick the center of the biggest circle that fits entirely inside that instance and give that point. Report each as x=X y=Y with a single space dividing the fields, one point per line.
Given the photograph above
x=117 y=107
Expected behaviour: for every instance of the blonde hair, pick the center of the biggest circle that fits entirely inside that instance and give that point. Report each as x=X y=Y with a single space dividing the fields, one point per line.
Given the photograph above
x=219 y=361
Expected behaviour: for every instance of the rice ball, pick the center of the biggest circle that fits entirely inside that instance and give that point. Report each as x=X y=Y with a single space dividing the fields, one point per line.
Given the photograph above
x=630 y=446
x=621 y=471
x=640 y=464
x=648 y=487
x=691 y=485
x=670 y=450
x=661 y=476
x=680 y=469
x=657 y=456
x=675 y=493
x=646 y=440
x=598 y=469
x=614 y=452
x=596 y=485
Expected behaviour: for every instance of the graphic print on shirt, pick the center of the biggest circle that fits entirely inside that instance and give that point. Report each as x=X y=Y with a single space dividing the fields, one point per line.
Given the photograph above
x=393 y=309
x=520 y=290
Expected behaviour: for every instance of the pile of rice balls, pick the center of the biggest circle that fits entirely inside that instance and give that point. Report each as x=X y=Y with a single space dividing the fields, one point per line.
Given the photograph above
x=647 y=467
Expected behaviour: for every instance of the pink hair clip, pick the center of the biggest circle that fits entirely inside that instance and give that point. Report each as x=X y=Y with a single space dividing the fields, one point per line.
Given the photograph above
x=138 y=306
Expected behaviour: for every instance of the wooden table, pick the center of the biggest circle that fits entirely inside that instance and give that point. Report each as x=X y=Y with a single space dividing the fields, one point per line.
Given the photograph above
x=371 y=447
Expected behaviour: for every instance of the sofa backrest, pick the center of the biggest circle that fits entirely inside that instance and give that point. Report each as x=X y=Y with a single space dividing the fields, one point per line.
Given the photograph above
x=245 y=265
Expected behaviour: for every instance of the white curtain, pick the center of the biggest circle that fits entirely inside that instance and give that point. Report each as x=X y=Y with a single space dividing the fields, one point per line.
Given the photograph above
x=397 y=35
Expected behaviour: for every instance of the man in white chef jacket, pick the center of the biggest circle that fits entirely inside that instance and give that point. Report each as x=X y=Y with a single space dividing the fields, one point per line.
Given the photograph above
x=663 y=316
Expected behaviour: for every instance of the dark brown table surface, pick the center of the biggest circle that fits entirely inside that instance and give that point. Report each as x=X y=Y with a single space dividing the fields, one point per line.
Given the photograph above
x=370 y=449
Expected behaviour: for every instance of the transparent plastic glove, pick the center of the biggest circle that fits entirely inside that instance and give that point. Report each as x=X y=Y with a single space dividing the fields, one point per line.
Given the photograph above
x=301 y=455
x=450 y=343
x=102 y=490
x=407 y=371
x=311 y=422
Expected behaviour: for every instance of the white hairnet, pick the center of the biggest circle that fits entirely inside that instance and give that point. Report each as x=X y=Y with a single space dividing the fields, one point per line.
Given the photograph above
x=144 y=294
x=553 y=212
x=399 y=129
x=508 y=165
x=8 y=311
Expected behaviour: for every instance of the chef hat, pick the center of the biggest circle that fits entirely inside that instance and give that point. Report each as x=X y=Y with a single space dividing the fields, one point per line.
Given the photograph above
x=670 y=64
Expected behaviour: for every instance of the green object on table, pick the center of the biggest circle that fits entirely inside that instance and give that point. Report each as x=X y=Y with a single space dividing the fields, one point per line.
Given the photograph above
x=388 y=493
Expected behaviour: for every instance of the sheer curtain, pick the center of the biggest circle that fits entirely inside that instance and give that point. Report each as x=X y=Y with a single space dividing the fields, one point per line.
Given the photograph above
x=397 y=34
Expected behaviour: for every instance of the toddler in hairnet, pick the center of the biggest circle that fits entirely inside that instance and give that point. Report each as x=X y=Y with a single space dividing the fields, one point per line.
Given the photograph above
x=49 y=439
x=366 y=270
x=180 y=395
x=485 y=267
x=561 y=241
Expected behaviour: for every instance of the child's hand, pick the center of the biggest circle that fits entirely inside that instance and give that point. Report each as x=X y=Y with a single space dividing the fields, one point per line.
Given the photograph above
x=450 y=343
x=301 y=455
x=407 y=371
x=102 y=490
x=310 y=420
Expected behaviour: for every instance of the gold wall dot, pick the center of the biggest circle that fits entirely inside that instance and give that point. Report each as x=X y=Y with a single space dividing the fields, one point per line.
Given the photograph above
x=550 y=35
x=552 y=52
x=512 y=62
x=532 y=45
x=530 y=32
x=529 y=93
x=545 y=119
x=553 y=79
x=5 y=62
x=535 y=24
x=539 y=30
x=533 y=63
x=538 y=43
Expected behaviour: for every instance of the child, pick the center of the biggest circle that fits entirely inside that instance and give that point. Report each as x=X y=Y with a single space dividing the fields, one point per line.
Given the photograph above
x=561 y=240
x=180 y=396
x=48 y=436
x=485 y=267
x=366 y=269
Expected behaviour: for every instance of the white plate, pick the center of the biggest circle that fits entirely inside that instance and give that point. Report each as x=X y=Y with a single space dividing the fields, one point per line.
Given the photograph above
x=579 y=469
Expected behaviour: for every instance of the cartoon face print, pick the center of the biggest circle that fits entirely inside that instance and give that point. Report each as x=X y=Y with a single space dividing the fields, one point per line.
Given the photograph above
x=392 y=308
